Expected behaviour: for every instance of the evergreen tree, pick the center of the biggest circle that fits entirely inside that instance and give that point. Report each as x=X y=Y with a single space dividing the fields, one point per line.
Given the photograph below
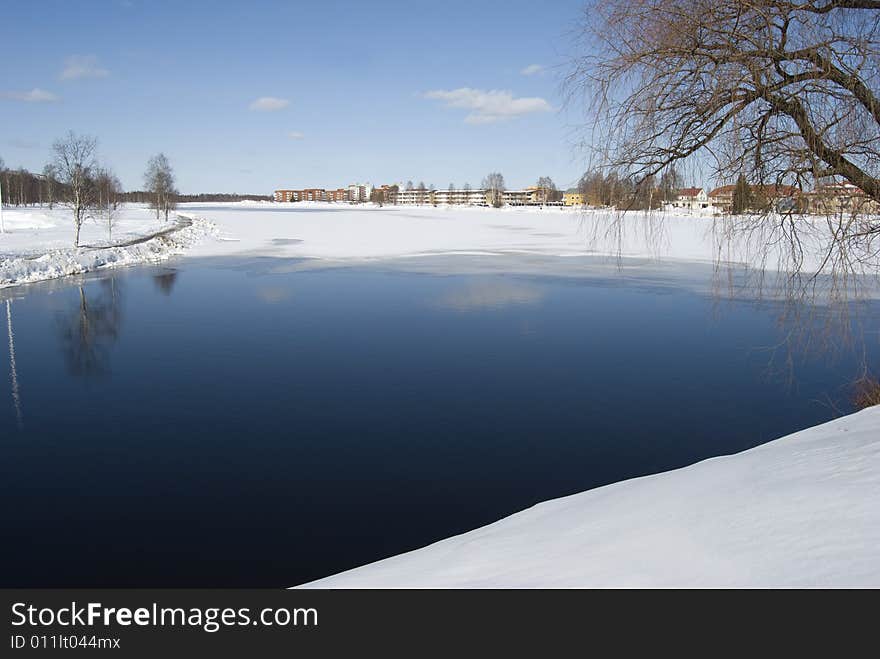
x=742 y=196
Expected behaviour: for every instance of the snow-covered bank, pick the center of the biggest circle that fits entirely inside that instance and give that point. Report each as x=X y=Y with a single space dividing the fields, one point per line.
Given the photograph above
x=803 y=510
x=36 y=245
x=336 y=232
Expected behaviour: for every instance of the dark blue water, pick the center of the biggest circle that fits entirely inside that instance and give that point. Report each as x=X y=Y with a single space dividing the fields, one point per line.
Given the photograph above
x=201 y=425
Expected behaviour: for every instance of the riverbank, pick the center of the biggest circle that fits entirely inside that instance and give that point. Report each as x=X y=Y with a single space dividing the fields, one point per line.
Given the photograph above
x=37 y=243
x=800 y=511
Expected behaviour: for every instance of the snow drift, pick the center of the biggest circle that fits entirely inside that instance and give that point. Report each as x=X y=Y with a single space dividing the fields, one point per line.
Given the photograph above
x=801 y=511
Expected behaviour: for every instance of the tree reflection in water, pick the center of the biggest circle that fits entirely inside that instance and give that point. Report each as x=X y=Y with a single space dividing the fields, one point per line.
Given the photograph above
x=165 y=281
x=92 y=327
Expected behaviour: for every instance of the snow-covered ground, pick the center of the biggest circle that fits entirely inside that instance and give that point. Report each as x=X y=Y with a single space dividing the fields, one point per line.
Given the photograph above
x=37 y=244
x=801 y=511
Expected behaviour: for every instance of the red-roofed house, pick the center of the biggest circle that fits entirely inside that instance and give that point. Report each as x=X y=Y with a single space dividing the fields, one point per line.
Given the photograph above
x=689 y=199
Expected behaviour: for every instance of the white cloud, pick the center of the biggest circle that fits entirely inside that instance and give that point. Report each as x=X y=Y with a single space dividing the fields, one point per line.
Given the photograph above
x=487 y=107
x=77 y=67
x=295 y=135
x=532 y=69
x=269 y=104
x=33 y=96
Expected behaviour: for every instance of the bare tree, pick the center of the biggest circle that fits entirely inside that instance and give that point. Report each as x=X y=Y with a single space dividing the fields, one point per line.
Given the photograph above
x=159 y=180
x=50 y=184
x=546 y=189
x=670 y=183
x=784 y=91
x=75 y=166
x=422 y=192
x=493 y=184
x=109 y=198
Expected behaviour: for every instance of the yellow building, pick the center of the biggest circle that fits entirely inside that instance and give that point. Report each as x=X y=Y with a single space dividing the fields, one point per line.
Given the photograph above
x=574 y=199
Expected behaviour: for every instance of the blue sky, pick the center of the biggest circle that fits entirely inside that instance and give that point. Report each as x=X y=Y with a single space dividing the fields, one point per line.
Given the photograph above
x=380 y=92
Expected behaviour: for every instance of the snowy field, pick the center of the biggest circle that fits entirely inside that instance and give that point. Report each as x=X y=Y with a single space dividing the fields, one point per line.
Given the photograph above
x=801 y=511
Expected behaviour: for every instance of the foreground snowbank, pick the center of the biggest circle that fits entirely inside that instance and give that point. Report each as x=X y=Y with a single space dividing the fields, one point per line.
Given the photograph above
x=803 y=510
x=36 y=245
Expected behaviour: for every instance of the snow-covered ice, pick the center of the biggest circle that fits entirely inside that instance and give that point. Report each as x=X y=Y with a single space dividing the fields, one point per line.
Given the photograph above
x=801 y=511
x=337 y=232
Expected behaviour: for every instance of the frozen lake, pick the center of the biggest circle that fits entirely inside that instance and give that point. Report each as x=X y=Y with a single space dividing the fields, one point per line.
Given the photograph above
x=256 y=422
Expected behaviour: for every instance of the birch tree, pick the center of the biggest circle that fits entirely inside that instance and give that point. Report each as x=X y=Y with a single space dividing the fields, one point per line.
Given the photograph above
x=786 y=92
x=494 y=186
x=159 y=181
x=546 y=189
x=109 y=191
x=75 y=165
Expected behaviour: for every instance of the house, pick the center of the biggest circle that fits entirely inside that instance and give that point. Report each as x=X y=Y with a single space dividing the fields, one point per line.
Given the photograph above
x=834 y=198
x=691 y=200
x=722 y=198
x=778 y=197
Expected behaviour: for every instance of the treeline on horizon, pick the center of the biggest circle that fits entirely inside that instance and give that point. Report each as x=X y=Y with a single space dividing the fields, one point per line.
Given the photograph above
x=145 y=197
x=610 y=188
x=24 y=188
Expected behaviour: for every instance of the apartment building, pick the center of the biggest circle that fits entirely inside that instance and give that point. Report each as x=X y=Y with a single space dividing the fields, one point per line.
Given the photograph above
x=286 y=195
x=442 y=197
x=360 y=192
x=312 y=194
x=574 y=199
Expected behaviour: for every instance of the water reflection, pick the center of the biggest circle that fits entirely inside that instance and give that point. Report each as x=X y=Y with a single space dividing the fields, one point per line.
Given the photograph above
x=165 y=281
x=91 y=328
x=274 y=294
x=490 y=294
x=13 y=371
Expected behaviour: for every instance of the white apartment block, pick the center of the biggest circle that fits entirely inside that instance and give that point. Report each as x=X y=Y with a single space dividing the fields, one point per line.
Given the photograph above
x=360 y=192
x=442 y=197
